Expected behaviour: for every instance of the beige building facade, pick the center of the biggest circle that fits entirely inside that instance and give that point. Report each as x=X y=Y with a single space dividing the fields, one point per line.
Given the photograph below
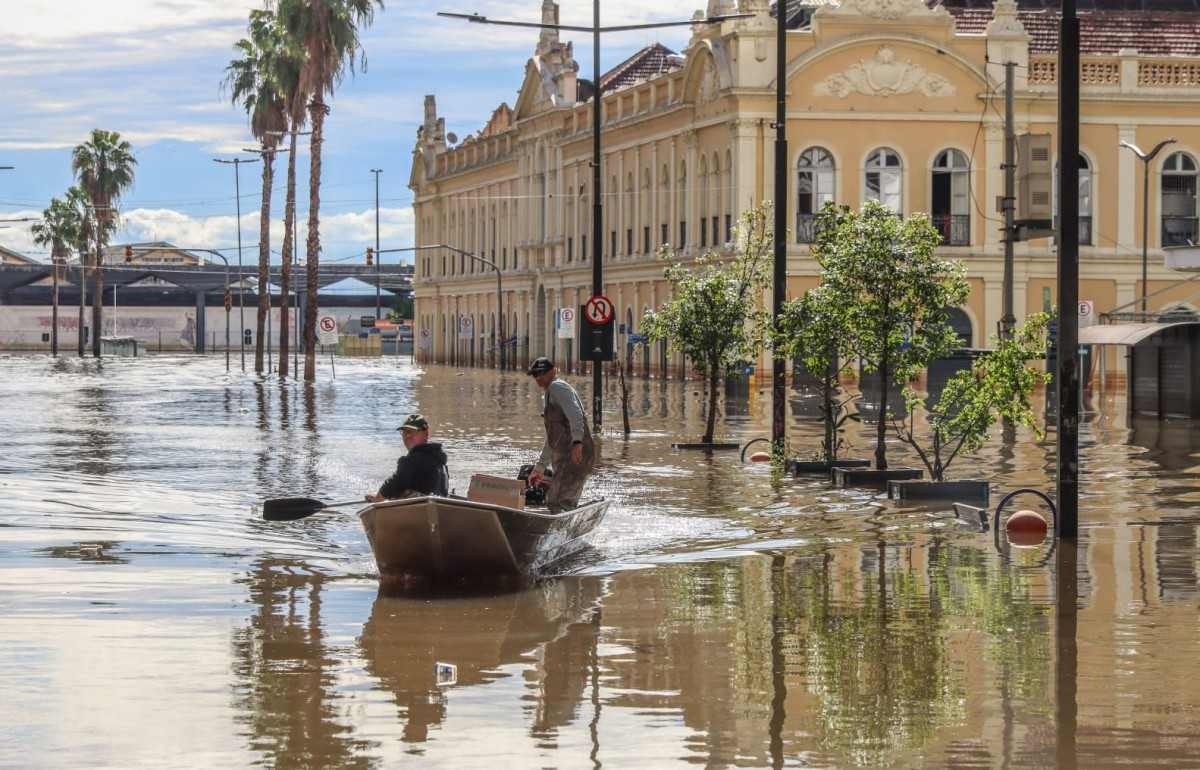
x=894 y=100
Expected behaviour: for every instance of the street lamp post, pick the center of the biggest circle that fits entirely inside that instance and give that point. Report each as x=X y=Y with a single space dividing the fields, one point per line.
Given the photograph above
x=377 y=172
x=237 y=187
x=597 y=211
x=489 y=263
x=1146 y=157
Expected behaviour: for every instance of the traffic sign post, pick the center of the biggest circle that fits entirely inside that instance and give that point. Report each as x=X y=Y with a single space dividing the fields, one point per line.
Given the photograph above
x=566 y=323
x=327 y=330
x=598 y=310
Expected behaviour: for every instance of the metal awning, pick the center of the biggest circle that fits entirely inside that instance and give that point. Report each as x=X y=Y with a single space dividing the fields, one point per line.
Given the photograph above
x=1124 y=334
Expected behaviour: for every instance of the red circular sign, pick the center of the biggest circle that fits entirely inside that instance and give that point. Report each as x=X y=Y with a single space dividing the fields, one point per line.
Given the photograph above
x=328 y=323
x=598 y=310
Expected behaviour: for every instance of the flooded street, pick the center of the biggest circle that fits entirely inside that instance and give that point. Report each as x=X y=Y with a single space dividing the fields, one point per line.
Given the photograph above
x=150 y=618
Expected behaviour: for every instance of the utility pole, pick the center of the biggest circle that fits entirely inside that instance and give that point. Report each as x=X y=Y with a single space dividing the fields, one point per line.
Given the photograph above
x=1067 y=377
x=237 y=188
x=1009 y=320
x=779 y=292
x=377 y=172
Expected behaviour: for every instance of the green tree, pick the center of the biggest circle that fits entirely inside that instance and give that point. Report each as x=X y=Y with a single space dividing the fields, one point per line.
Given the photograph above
x=63 y=228
x=714 y=317
x=328 y=31
x=893 y=291
x=998 y=384
x=261 y=79
x=811 y=329
x=104 y=167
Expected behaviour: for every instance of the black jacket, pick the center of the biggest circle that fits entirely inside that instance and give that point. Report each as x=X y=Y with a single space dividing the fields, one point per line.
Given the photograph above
x=422 y=471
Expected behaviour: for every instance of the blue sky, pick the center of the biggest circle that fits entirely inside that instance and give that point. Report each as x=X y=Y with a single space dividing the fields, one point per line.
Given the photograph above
x=152 y=69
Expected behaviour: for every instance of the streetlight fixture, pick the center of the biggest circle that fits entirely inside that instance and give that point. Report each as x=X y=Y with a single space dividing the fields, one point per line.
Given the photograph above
x=1146 y=157
x=499 y=285
x=237 y=191
x=597 y=213
x=377 y=172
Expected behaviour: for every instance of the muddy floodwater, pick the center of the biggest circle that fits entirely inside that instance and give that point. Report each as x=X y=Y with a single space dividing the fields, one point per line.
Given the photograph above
x=149 y=617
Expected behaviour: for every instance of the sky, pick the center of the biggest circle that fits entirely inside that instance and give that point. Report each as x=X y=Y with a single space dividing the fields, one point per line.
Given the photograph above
x=152 y=70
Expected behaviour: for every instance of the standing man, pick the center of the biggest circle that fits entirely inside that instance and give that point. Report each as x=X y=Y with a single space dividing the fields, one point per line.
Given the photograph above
x=569 y=449
x=420 y=472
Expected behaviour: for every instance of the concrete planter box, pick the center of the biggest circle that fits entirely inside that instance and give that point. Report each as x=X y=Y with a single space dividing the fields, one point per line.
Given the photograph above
x=717 y=445
x=820 y=467
x=868 y=477
x=972 y=489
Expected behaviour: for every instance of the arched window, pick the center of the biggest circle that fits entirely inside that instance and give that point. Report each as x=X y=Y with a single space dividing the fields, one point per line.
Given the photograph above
x=1085 y=199
x=714 y=199
x=951 y=206
x=884 y=179
x=814 y=188
x=702 y=176
x=570 y=220
x=627 y=208
x=1179 y=200
x=645 y=206
x=728 y=196
x=614 y=195
x=681 y=204
x=585 y=222
x=664 y=206
x=541 y=193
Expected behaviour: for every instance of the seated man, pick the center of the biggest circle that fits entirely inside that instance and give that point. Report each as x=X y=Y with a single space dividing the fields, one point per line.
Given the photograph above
x=420 y=472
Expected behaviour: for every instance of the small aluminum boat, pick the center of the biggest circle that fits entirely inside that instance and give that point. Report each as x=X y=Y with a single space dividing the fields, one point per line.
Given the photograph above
x=451 y=541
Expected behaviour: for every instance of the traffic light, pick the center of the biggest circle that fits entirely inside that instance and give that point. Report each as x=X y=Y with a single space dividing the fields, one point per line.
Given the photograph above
x=128 y=253
x=370 y=256
x=228 y=301
x=595 y=341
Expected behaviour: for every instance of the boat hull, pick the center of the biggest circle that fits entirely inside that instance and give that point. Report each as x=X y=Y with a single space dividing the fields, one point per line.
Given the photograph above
x=440 y=541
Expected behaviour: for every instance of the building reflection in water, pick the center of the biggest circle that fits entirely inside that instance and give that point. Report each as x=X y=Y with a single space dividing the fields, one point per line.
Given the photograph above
x=285 y=673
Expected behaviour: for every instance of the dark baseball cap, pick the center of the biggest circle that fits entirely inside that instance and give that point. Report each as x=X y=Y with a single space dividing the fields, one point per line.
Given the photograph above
x=415 y=422
x=540 y=366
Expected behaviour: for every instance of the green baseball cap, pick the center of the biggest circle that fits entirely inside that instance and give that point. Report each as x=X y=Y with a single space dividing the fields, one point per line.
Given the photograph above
x=415 y=422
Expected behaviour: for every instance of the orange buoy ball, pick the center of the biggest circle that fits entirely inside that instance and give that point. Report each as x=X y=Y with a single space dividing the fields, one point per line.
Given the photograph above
x=760 y=457
x=1026 y=528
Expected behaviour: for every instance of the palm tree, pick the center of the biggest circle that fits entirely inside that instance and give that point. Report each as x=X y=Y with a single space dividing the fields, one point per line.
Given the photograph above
x=260 y=80
x=104 y=167
x=328 y=31
x=60 y=229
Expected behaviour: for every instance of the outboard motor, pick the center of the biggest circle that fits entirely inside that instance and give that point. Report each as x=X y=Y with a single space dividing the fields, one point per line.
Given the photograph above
x=534 y=495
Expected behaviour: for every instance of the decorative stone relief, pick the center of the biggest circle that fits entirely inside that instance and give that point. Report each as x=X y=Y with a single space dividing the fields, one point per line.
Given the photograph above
x=886 y=9
x=883 y=75
x=1004 y=20
x=707 y=90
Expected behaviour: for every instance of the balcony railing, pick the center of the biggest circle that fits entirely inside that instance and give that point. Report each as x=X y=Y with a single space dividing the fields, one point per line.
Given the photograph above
x=1179 y=231
x=955 y=228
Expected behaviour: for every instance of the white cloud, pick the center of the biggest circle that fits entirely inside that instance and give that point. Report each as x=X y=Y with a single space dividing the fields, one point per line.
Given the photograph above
x=18 y=236
x=343 y=235
x=42 y=22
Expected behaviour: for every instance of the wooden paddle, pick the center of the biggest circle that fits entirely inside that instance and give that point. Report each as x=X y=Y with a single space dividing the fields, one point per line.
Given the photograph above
x=292 y=508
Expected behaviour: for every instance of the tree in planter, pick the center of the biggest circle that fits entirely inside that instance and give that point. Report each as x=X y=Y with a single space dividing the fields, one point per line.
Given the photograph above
x=998 y=384
x=893 y=292
x=810 y=329
x=714 y=317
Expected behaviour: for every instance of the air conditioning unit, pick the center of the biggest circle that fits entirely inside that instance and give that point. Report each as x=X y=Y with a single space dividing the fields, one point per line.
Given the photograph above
x=1035 y=177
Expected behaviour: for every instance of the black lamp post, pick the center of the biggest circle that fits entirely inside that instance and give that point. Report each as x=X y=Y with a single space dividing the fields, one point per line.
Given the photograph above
x=1146 y=157
x=597 y=212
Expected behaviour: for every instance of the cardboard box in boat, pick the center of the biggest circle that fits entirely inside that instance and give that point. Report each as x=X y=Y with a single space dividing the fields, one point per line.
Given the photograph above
x=496 y=490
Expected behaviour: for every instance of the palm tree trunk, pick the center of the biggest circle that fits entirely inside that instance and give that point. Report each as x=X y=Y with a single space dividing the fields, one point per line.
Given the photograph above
x=98 y=290
x=82 y=298
x=317 y=112
x=289 y=248
x=264 y=258
x=55 y=258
